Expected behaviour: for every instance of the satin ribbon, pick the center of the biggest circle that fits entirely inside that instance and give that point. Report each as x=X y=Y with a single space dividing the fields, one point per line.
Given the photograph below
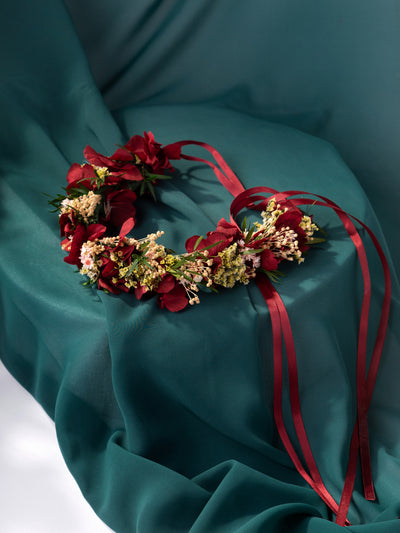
x=280 y=323
x=225 y=174
x=365 y=384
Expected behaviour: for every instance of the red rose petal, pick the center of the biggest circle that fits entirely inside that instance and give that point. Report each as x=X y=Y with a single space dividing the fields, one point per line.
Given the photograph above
x=228 y=229
x=166 y=284
x=80 y=175
x=268 y=260
x=139 y=291
x=95 y=158
x=126 y=227
x=175 y=300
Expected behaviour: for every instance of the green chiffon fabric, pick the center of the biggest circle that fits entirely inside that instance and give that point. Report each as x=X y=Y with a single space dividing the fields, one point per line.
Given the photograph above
x=166 y=419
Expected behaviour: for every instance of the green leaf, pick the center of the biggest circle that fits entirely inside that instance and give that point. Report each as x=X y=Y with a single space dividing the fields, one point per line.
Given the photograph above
x=170 y=251
x=249 y=252
x=181 y=262
x=211 y=246
x=316 y=240
x=133 y=266
x=154 y=177
x=147 y=263
x=307 y=210
x=198 y=242
x=249 y=234
x=213 y=289
x=151 y=189
x=188 y=278
x=273 y=275
x=82 y=189
x=201 y=256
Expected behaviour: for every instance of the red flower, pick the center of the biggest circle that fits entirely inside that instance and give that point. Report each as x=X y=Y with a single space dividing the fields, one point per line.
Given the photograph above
x=107 y=284
x=221 y=238
x=126 y=228
x=67 y=223
x=119 y=206
x=149 y=152
x=108 y=272
x=268 y=260
x=121 y=165
x=167 y=284
x=229 y=229
x=81 y=175
x=292 y=218
x=81 y=235
x=140 y=290
x=216 y=241
x=102 y=284
x=174 y=300
x=172 y=295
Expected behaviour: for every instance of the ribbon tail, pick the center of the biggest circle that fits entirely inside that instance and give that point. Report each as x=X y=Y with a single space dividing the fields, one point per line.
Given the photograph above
x=365 y=457
x=280 y=327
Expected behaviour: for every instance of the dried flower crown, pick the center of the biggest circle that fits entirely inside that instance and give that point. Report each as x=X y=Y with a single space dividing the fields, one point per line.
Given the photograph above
x=100 y=200
x=98 y=211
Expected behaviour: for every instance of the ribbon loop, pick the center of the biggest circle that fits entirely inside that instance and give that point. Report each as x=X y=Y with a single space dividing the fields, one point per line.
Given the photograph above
x=225 y=174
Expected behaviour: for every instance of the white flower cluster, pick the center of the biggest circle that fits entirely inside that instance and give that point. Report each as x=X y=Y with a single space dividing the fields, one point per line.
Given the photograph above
x=84 y=206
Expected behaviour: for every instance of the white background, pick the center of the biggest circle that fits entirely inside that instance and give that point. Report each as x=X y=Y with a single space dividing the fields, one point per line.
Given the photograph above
x=37 y=492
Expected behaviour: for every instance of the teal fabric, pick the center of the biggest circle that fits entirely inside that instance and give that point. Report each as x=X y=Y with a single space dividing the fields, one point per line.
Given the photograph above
x=164 y=419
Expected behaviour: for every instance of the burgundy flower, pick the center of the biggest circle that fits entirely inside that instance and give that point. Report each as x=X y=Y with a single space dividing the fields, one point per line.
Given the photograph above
x=149 y=152
x=108 y=268
x=174 y=300
x=126 y=228
x=121 y=165
x=81 y=235
x=171 y=294
x=217 y=240
x=81 y=175
x=229 y=229
x=268 y=260
x=67 y=223
x=125 y=252
x=139 y=291
x=108 y=272
x=103 y=284
x=167 y=284
x=119 y=206
x=292 y=218
x=108 y=285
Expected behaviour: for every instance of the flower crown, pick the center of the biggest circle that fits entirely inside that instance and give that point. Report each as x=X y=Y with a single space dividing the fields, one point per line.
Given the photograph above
x=100 y=201
x=98 y=211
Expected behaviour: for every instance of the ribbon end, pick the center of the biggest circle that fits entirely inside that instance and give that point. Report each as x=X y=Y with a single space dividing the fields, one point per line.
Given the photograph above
x=369 y=493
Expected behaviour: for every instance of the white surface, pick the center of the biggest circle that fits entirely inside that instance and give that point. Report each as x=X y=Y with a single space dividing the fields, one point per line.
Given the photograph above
x=37 y=492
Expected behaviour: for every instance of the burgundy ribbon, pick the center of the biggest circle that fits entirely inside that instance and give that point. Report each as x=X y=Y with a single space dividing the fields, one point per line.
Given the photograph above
x=359 y=446
x=225 y=174
x=365 y=384
x=281 y=325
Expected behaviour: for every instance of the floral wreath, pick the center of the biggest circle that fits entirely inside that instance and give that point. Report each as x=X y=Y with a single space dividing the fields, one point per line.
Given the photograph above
x=100 y=200
x=97 y=212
